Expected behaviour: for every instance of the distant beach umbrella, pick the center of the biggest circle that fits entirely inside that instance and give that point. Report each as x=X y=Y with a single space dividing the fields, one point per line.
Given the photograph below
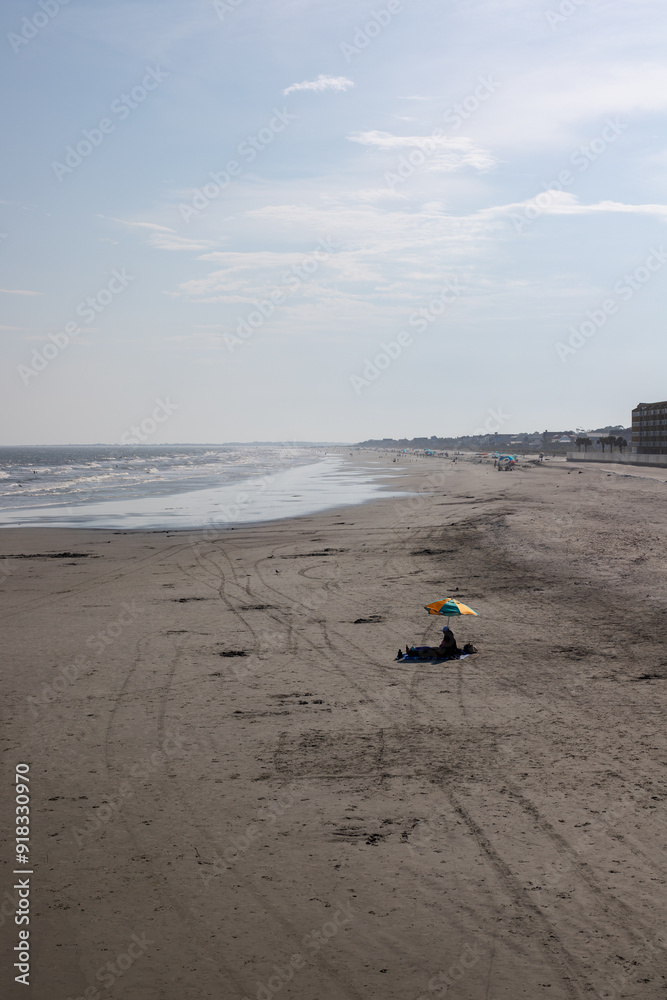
x=449 y=608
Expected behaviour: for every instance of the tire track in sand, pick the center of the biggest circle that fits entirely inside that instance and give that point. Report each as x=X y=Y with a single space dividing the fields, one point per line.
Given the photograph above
x=160 y=882
x=264 y=898
x=576 y=981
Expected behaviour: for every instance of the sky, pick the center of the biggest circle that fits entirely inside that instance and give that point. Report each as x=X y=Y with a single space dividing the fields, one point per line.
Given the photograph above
x=330 y=220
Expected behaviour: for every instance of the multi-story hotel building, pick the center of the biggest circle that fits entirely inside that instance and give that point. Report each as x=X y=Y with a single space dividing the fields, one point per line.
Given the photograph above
x=649 y=429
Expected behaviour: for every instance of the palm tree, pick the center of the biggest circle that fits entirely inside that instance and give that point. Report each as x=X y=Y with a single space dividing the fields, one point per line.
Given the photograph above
x=622 y=443
x=585 y=441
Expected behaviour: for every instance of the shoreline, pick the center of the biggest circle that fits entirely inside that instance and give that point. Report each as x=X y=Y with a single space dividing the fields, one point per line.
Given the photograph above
x=225 y=754
x=323 y=484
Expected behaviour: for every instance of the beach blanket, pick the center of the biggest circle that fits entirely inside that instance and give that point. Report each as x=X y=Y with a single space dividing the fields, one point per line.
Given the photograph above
x=439 y=659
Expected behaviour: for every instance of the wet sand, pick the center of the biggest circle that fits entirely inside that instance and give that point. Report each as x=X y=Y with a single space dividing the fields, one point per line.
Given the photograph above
x=237 y=792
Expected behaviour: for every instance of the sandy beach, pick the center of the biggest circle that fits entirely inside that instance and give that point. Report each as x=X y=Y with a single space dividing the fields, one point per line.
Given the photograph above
x=237 y=792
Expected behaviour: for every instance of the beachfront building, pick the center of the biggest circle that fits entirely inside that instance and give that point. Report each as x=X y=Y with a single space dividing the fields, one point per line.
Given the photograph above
x=649 y=429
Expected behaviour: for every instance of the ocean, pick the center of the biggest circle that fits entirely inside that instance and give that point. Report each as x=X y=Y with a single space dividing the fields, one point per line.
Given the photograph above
x=173 y=486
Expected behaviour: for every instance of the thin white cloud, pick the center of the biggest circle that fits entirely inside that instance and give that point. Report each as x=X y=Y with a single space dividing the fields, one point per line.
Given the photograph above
x=387 y=140
x=366 y=195
x=172 y=241
x=244 y=276
x=18 y=291
x=163 y=237
x=614 y=206
x=138 y=225
x=322 y=82
x=566 y=203
x=562 y=104
x=444 y=153
x=252 y=259
x=385 y=253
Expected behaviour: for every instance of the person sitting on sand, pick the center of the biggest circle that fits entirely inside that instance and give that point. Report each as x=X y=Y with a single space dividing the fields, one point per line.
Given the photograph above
x=448 y=645
x=445 y=650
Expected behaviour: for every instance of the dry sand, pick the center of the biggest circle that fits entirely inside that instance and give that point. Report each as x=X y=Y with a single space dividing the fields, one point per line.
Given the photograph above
x=496 y=824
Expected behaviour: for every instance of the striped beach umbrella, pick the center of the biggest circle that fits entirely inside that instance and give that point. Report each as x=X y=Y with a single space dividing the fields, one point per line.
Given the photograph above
x=449 y=608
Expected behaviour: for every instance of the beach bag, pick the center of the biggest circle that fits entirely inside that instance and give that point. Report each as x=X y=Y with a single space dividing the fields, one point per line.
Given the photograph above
x=469 y=648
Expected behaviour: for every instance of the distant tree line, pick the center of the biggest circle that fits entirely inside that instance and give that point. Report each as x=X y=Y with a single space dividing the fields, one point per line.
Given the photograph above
x=610 y=441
